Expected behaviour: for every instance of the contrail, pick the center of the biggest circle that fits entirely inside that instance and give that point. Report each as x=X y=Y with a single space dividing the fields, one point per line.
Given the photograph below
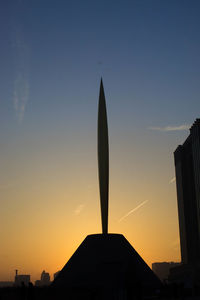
x=133 y=210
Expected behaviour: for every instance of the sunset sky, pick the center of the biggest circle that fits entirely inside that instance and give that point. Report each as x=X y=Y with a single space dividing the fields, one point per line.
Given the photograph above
x=52 y=56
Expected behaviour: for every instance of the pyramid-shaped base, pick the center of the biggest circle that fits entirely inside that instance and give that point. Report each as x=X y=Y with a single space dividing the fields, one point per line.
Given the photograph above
x=105 y=260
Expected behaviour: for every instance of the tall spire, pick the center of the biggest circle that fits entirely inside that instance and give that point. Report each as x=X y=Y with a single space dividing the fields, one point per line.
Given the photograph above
x=103 y=158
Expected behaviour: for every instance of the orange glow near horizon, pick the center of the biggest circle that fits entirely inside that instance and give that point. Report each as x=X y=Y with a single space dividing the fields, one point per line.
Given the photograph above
x=43 y=233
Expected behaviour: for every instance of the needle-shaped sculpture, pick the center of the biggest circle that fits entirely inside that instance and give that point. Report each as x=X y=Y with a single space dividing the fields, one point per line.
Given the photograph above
x=103 y=158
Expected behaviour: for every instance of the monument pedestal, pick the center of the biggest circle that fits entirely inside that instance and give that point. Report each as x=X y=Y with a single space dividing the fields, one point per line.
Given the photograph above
x=106 y=262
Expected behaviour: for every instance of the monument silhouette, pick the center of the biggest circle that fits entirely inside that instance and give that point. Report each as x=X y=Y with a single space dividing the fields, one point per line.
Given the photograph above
x=105 y=261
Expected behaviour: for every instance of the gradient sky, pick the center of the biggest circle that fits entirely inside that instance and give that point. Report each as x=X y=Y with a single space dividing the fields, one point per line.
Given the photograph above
x=52 y=55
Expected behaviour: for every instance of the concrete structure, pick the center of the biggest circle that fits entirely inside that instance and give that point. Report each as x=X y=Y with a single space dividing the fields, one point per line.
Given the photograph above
x=187 y=165
x=21 y=280
x=162 y=269
x=44 y=280
x=188 y=274
x=103 y=158
x=105 y=266
x=104 y=261
x=56 y=274
x=45 y=277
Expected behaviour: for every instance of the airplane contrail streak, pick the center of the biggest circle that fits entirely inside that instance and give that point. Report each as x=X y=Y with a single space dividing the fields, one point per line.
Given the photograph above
x=133 y=210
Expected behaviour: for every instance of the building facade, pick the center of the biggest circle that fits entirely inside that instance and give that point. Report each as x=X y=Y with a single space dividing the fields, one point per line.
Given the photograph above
x=45 y=279
x=21 y=280
x=187 y=167
x=162 y=269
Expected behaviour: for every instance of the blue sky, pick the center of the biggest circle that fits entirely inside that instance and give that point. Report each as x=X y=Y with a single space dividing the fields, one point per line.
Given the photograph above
x=146 y=51
x=52 y=56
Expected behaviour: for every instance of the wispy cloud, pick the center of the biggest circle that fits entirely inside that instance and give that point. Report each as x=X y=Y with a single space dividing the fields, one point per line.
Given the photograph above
x=133 y=210
x=171 y=128
x=172 y=180
x=79 y=209
x=20 y=95
x=21 y=82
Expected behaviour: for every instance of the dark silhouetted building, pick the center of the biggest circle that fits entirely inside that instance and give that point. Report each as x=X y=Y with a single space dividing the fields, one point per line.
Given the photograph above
x=161 y=269
x=56 y=274
x=187 y=164
x=45 y=279
x=21 y=279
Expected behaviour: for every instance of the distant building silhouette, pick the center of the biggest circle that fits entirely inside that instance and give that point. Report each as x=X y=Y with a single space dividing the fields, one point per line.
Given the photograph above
x=45 y=277
x=6 y=284
x=44 y=280
x=56 y=274
x=21 y=279
x=161 y=269
x=187 y=165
